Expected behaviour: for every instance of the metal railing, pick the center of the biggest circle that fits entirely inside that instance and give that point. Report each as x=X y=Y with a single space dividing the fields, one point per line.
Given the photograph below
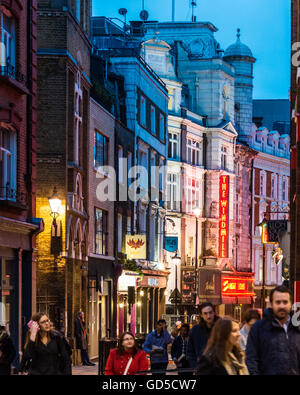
x=7 y=193
x=11 y=71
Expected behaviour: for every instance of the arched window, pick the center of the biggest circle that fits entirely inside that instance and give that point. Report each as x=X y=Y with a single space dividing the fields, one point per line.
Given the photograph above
x=8 y=163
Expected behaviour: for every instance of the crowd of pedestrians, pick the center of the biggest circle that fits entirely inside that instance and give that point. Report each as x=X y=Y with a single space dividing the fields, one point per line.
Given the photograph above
x=268 y=345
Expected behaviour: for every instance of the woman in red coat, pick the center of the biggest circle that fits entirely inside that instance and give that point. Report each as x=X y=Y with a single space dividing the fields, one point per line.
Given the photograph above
x=126 y=359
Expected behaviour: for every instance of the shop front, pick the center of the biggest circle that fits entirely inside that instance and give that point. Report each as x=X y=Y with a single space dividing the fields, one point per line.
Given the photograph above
x=237 y=294
x=100 y=302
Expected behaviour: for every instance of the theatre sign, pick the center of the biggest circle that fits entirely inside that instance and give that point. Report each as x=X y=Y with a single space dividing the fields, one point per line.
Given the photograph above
x=224 y=216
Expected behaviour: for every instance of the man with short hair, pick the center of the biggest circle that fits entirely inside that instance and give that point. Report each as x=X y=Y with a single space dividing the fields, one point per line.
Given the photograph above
x=200 y=334
x=179 y=347
x=156 y=345
x=273 y=346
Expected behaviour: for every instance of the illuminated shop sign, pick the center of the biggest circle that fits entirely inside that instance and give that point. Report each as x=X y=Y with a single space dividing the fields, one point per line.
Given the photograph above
x=224 y=216
x=237 y=286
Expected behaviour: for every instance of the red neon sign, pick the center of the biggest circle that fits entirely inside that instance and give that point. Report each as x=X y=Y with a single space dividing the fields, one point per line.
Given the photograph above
x=235 y=286
x=224 y=216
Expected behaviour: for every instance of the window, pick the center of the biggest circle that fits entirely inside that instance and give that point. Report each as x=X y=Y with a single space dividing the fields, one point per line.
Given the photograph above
x=129 y=166
x=284 y=194
x=173 y=150
x=193 y=152
x=8 y=164
x=78 y=10
x=262 y=184
x=78 y=117
x=121 y=168
x=153 y=120
x=100 y=232
x=173 y=191
x=237 y=209
x=223 y=158
x=8 y=41
x=171 y=104
x=100 y=150
x=162 y=127
x=120 y=233
x=193 y=195
x=274 y=187
x=143 y=111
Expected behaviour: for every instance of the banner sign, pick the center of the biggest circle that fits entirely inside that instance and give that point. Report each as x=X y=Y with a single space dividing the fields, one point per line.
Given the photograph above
x=171 y=244
x=224 y=216
x=136 y=246
x=237 y=286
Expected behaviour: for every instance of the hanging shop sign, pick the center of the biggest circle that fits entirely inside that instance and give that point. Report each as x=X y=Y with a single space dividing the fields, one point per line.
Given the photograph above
x=136 y=246
x=209 y=286
x=171 y=244
x=237 y=286
x=224 y=216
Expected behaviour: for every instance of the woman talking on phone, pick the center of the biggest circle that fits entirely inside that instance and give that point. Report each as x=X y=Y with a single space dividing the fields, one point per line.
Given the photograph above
x=45 y=349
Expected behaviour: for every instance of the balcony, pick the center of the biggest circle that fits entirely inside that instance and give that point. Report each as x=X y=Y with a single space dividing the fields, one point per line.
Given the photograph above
x=10 y=76
x=13 y=198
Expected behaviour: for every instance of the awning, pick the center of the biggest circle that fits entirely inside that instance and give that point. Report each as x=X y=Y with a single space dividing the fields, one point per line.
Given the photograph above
x=101 y=267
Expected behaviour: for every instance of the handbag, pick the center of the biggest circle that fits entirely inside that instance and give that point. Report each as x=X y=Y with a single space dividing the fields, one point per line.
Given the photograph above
x=127 y=367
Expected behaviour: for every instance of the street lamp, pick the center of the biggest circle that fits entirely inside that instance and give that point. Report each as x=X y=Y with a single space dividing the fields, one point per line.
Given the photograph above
x=55 y=205
x=177 y=260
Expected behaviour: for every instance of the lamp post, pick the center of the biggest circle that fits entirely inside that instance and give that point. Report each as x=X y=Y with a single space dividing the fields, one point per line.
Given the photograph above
x=55 y=211
x=197 y=213
x=177 y=259
x=264 y=240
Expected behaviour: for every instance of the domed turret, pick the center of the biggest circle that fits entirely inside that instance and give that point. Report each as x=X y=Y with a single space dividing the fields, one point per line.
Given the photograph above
x=241 y=58
x=238 y=48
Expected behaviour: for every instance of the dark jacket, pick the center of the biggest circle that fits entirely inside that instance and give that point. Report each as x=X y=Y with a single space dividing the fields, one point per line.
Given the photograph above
x=8 y=353
x=206 y=368
x=270 y=351
x=81 y=339
x=177 y=347
x=50 y=359
x=198 y=339
x=68 y=362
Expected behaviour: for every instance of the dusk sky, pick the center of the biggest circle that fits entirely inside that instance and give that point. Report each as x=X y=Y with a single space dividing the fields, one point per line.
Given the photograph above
x=264 y=24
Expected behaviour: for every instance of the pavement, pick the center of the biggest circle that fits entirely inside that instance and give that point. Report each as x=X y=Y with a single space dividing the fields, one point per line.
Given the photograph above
x=93 y=370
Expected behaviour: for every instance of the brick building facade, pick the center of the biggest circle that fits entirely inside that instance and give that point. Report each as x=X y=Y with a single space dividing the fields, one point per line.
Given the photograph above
x=63 y=119
x=18 y=106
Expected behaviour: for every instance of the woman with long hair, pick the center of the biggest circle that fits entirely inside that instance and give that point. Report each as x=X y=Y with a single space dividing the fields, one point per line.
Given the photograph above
x=223 y=354
x=44 y=349
x=126 y=359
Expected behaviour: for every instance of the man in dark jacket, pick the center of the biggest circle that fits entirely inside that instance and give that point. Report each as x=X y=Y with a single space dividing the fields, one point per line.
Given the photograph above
x=200 y=333
x=179 y=347
x=82 y=339
x=273 y=346
x=7 y=352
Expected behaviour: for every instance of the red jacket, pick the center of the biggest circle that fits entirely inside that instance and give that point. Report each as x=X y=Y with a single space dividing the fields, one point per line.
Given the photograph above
x=116 y=364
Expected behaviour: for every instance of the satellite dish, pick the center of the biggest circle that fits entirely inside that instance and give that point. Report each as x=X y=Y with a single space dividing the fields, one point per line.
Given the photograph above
x=122 y=11
x=144 y=15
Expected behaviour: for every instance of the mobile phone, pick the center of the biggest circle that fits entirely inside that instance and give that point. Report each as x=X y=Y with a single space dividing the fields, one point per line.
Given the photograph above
x=29 y=324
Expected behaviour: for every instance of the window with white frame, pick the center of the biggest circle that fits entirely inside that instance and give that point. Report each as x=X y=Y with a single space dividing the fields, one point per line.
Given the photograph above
x=154 y=175
x=193 y=195
x=274 y=186
x=8 y=40
x=284 y=189
x=262 y=183
x=224 y=157
x=173 y=191
x=193 y=152
x=143 y=110
x=173 y=146
x=8 y=164
x=77 y=116
x=153 y=120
